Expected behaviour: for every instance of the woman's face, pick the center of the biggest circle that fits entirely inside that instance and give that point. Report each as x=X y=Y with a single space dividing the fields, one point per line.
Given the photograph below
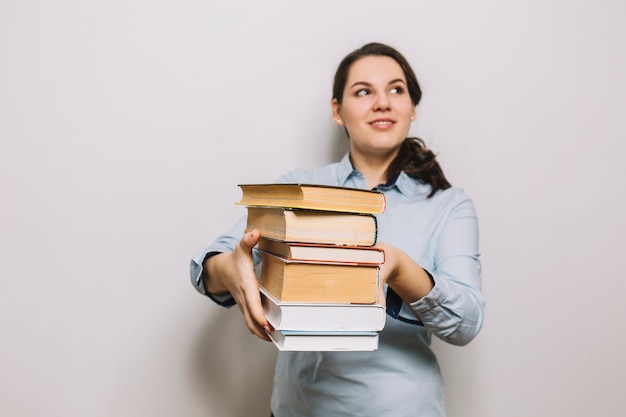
x=376 y=110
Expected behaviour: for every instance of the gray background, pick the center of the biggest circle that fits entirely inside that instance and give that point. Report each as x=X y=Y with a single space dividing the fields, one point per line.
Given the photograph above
x=125 y=127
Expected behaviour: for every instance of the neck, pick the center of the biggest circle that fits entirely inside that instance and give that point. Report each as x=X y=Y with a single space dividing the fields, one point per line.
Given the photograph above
x=373 y=168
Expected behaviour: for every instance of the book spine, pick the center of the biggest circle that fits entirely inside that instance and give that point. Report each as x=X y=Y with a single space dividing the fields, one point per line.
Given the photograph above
x=375 y=229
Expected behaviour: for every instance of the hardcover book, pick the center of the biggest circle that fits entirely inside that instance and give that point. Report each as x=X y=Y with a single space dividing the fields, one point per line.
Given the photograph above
x=313 y=196
x=317 y=282
x=290 y=340
x=310 y=226
x=321 y=252
x=322 y=316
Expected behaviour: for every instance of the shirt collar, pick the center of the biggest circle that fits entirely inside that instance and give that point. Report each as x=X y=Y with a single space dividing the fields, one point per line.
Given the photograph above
x=346 y=171
x=409 y=187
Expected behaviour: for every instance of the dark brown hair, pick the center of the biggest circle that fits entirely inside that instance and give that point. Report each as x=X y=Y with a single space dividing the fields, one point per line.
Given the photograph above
x=413 y=158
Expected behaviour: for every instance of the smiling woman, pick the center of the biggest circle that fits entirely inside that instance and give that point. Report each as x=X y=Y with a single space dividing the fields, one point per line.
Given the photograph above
x=397 y=80
x=377 y=112
x=429 y=282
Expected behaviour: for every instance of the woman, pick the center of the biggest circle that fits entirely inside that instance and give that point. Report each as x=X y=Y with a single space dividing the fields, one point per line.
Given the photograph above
x=431 y=274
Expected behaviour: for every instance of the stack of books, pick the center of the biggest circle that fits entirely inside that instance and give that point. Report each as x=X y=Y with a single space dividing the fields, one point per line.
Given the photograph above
x=319 y=270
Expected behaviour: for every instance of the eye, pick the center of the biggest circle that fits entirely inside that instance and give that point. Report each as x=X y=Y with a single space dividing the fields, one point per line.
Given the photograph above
x=397 y=90
x=363 y=92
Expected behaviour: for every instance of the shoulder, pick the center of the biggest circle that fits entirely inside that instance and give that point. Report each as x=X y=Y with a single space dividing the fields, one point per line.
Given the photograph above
x=441 y=203
x=416 y=190
x=454 y=199
x=452 y=194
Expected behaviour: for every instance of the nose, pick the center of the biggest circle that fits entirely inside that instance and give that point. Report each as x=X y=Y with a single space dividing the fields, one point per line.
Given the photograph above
x=382 y=102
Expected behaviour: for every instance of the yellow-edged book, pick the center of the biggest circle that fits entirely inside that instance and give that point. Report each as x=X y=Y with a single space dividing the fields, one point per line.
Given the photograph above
x=313 y=226
x=313 y=197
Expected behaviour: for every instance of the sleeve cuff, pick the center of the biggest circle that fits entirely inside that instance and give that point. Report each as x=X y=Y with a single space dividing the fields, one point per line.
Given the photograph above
x=197 y=267
x=435 y=298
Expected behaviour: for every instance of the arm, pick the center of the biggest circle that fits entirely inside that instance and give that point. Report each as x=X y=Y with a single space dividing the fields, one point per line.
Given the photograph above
x=450 y=304
x=404 y=275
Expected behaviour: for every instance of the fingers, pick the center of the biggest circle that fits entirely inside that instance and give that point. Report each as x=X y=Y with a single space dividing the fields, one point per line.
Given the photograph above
x=249 y=298
x=254 y=315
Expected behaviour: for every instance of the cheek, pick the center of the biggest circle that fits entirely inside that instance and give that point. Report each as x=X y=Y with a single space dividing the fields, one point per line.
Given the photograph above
x=351 y=121
x=408 y=109
x=356 y=109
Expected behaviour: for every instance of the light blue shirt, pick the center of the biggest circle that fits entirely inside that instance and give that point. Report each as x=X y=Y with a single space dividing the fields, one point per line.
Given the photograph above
x=401 y=378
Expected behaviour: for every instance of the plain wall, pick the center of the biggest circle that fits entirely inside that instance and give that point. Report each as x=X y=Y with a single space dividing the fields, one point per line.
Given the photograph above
x=125 y=127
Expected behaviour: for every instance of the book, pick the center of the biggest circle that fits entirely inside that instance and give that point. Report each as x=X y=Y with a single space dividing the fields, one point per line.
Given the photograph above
x=310 y=226
x=322 y=252
x=322 y=316
x=318 y=282
x=314 y=197
x=292 y=340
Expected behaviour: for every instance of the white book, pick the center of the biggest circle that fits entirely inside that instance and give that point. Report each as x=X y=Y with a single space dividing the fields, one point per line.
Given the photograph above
x=288 y=315
x=291 y=340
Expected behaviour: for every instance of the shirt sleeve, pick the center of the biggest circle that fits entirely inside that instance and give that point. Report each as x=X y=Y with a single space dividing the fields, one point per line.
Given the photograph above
x=224 y=243
x=453 y=310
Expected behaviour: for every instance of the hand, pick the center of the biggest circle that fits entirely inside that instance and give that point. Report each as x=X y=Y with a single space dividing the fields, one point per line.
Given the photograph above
x=403 y=274
x=384 y=271
x=234 y=272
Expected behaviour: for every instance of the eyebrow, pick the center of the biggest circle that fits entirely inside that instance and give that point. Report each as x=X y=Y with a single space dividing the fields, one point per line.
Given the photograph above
x=365 y=83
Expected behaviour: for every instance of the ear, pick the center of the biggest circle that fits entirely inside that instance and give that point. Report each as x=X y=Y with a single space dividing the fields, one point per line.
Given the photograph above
x=413 y=114
x=336 y=107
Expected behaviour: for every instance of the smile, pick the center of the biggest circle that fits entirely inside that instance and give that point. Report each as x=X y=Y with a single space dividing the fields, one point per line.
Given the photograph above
x=382 y=123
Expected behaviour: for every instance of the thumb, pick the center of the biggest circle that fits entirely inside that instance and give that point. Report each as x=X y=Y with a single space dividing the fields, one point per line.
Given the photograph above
x=250 y=239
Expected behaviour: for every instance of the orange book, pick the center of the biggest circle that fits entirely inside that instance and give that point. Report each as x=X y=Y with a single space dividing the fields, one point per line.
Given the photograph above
x=315 y=282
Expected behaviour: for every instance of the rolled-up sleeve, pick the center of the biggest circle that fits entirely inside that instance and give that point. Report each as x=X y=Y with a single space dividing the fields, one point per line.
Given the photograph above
x=453 y=310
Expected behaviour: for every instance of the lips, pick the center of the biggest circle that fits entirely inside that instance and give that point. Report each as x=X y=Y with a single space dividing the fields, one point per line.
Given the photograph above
x=382 y=123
